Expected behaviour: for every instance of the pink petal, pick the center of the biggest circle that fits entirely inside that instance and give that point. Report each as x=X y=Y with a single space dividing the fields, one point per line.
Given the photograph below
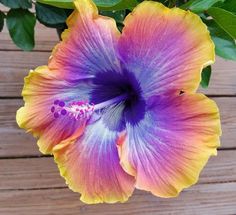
x=166 y=48
x=91 y=166
x=168 y=149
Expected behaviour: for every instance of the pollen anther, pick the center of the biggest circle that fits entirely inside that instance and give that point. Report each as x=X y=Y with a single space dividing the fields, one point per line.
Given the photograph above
x=74 y=110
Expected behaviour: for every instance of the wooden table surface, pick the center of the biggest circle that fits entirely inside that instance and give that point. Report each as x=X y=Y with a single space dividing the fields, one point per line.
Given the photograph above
x=30 y=183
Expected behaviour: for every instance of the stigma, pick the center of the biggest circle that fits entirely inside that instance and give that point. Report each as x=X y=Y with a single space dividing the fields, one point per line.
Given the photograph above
x=82 y=109
x=74 y=110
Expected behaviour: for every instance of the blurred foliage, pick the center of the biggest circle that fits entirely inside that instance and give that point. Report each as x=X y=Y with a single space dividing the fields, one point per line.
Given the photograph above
x=206 y=75
x=224 y=44
x=2 y=16
x=199 y=6
x=15 y=4
x=50 y=16
x=225 y=19
x=218 y=15
x=20 y=23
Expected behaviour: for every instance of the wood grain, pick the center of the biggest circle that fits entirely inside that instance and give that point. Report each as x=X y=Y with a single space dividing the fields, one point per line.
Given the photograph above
x=223 y=79
x=42 y=173
x=204 y=199
x=15 y=142
x=15 y=65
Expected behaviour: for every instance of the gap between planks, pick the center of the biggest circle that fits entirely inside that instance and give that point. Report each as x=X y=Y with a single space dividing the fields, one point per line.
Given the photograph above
x=217 y=199
x=32 y=173
x=15 y=157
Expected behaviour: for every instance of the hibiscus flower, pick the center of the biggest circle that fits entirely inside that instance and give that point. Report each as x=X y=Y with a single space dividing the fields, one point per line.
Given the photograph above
x=120 y=111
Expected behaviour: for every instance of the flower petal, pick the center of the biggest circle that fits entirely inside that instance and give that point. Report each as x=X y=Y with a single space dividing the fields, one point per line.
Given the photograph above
x=42 y=87
x=88 y=45
x=91 y=166
x=166 y=48
x=168 y=149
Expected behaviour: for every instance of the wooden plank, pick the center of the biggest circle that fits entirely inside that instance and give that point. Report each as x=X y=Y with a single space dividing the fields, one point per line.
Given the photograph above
x=223 y=79
x=228 y=121
x=15 y=65
x=42 y=173
x=29 y=173
x=217 y=199
x=15 y=142
x=45 y=39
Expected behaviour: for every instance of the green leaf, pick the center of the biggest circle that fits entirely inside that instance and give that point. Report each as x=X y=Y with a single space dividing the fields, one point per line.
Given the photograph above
x=20 y=23
x=122 y=5
x=50 y=16
x=180 y=2
x=164 y=2
x=68 y=4
x=198 y=6
x=17 y=3
x=225 y=19
x=206 y=76
x=224 y=45
x=102 y=4
x=2 y=16
x=228 y=5
x=106 y=3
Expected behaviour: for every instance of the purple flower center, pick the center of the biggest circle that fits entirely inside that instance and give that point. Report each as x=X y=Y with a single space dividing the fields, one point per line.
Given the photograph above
x=108 y=86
